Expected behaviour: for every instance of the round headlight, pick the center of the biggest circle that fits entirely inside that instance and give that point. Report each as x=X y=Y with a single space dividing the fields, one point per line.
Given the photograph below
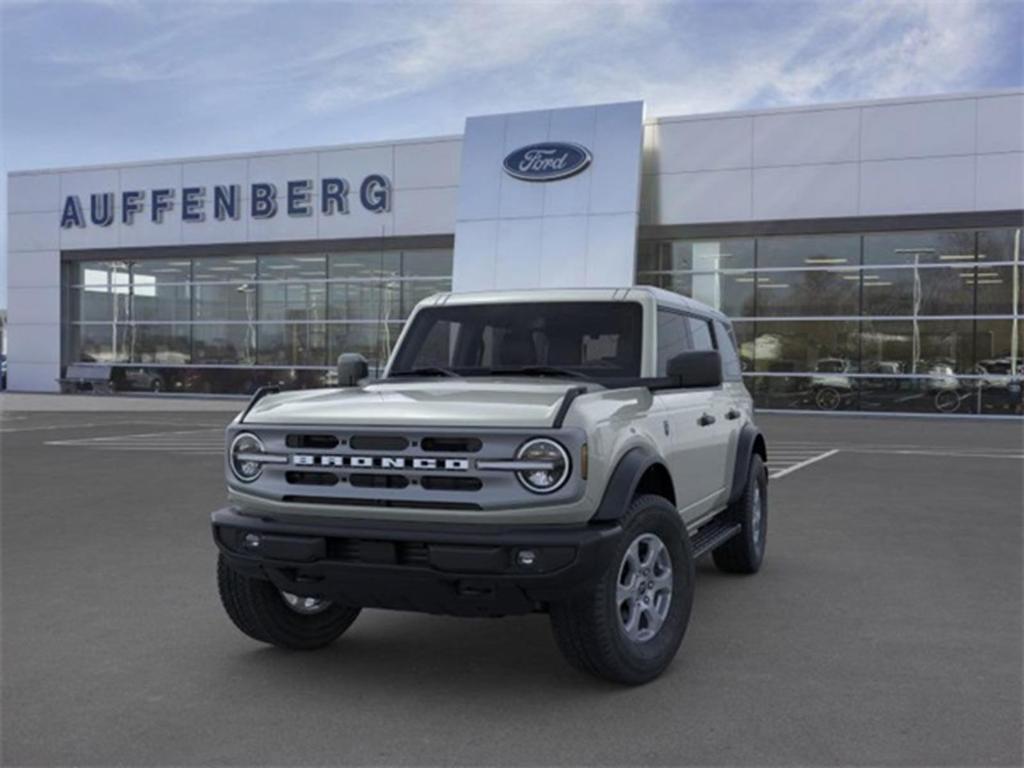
x=243 y=446
x=553 y=465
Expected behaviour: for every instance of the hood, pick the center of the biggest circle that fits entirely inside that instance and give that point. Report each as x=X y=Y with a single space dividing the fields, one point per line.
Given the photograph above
x=491 y=402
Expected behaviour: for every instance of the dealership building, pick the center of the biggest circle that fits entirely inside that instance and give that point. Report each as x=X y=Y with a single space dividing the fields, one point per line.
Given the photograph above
x=868 y=253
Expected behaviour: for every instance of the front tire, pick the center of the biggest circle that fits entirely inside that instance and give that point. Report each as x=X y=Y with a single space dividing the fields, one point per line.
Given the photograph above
x=744 y=552
x=627 y=625
x=264 y=613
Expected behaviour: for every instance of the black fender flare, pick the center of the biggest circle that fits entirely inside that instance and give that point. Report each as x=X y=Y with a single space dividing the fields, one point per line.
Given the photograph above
x=623 y=483
x=750 y=438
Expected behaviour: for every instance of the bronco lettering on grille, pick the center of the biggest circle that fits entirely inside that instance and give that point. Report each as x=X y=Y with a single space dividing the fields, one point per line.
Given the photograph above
x=419 y=463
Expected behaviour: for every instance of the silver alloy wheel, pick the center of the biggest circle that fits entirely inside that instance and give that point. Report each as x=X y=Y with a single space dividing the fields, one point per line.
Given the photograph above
x=308 y=606
x=643 y=590
x=756 y=515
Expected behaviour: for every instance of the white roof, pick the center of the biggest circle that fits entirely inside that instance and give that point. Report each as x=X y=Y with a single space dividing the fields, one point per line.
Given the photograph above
x=630 y=293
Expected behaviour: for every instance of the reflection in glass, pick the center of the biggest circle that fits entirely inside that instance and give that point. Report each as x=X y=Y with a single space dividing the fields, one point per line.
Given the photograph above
x=224 y=269
x=919 y=291
x=808 y=251
x=827 y=346
x=372 y=341
x=104 y=343
x=292 y=301
x=169 y=344
x=665 y=256
x=919 y=248
x=233 y=344
x=292 y=344
x=806 y=293
x=729 y=292
x=937 y=348
x=231 y=301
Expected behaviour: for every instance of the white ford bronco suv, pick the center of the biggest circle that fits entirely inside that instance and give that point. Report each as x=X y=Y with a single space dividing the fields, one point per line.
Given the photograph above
x=564 y=451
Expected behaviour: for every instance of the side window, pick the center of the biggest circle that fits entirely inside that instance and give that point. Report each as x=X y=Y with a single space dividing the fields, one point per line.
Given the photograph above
x=700 y=333
x=732 y=370
x=673 y=337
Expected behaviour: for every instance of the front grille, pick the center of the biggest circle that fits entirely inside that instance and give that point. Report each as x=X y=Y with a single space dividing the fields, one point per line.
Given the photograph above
x=311 y=478
x=374 y=502
x=451 y=444
x=429 y=468
x=439 y=483
x=378 y=481
x=315 y=442
x=378 y=443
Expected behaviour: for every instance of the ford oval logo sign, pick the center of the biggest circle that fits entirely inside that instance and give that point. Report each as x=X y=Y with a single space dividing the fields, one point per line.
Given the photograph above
x=547 y=162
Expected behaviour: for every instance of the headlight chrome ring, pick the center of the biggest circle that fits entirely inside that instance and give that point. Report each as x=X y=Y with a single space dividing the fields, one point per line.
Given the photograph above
x=245 y=443
x=543 y=449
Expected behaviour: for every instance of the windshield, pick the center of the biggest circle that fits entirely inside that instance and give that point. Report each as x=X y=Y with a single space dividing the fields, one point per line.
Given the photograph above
x=593 y=339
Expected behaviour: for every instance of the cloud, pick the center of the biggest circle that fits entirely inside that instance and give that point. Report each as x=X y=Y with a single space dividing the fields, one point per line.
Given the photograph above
x=460 y=41
x=774 y=54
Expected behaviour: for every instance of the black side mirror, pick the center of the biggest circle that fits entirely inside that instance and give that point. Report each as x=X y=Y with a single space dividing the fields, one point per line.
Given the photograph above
x=351 y=368
x=696 y=369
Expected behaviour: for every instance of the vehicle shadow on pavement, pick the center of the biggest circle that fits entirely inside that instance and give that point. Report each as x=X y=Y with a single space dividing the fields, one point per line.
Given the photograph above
x=512 y=654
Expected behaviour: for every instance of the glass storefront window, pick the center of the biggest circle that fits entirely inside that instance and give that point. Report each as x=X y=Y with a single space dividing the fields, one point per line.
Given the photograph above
x=156 y=271
x=214 y=269
x=936 y=348
x=218 y=301
x=729 y=292
x=363 y=265
x=99 y=343
x=169 y=344
x=918 y=291
x=233 y=344
x=806 y=293
x=825 y=346
x=919 y=247
x=374 y=341
x=361 y=300
x=292 y=301
x=807 y=251
x=940 y=328
x=292 y=344
x=659 y=257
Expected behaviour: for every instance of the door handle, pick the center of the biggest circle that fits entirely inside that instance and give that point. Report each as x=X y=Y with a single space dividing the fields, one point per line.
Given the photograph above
x=706 y=420
x=732 y=414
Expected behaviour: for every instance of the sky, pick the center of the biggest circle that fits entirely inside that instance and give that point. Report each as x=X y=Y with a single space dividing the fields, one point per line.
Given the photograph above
x=100 y=81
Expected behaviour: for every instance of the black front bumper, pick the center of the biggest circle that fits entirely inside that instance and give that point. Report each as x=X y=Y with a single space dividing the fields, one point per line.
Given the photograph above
x=451 y=569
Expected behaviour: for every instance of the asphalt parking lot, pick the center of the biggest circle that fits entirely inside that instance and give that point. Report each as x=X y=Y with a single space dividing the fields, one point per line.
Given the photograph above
x=884 y=629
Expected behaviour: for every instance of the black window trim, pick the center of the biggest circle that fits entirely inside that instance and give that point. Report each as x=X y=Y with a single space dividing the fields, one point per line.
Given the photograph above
x=664 y=383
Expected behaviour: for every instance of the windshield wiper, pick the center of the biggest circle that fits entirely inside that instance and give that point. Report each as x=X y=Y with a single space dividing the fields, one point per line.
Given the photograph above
x=430 y=370
x=538 y=370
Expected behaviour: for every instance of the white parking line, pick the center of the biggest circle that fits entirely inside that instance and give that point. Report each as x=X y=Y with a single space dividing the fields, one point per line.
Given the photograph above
x=208 y=441
x=800 y=465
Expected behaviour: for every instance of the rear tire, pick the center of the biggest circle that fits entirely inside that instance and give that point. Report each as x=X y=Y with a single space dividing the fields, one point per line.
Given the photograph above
x=744 y=552
x=261 y=611
x=601 y=630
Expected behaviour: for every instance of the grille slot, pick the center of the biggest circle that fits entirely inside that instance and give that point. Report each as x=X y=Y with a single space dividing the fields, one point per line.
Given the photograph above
x=311 y=478
x=362 y=480
x=413 y=553
x=378 y=443
x=354 y=502
x=451 y=444
x=317 y=442
x=442 y=483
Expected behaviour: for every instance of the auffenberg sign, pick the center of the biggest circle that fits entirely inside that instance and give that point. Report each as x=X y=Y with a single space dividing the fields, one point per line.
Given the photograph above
x=225 y=202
